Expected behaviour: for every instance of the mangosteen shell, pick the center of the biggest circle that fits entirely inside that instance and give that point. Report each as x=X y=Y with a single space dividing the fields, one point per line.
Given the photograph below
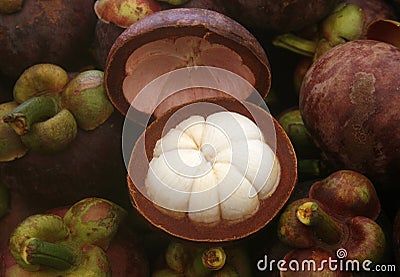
x=91 y=166
x=179 y=22
x=223 y=231
x=349 y=102
x=57 y=32
x=279 y=15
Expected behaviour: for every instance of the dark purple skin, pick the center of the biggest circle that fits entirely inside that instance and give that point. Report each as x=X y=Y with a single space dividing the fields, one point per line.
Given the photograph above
x=56 y=32
x=105 y=35
x=349 y=102
x=215 y=5
x=91 y=166
x=373 y=10
x=279 y=15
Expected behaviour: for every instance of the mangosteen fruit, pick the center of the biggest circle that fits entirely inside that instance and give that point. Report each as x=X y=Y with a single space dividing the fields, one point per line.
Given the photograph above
x=337 y=219
x=44 y=31
x=176 y=39
x=90 y=237
x=113 y=17
x=279 y=16
x=348 y=103
x=61 y=132
x=194 y=174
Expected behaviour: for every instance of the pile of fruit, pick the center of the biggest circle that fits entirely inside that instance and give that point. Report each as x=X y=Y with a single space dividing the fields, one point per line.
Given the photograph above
x=199 y=138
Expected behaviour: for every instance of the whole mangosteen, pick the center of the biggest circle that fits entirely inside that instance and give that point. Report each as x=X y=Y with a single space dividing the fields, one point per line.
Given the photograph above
x=46 y=31
x=279 y=16
x=349 y=102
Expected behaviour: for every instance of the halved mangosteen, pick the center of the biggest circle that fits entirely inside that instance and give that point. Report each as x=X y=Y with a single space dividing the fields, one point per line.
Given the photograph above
x=212 y=170
x=179 y=38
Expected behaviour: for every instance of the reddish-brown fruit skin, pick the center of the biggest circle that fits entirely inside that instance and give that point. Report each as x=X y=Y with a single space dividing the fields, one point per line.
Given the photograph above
x=224 y=231
x=91 y=166
x=56 y=32
x=279 y=16
x=346 y=192
x=349 y=102
x=213 y=26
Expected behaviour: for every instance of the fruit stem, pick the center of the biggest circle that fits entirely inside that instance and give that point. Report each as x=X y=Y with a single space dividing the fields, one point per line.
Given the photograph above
x=310 y=214
x=56 y=256
x=295 y=44
x=31 y=111
x=208 y=261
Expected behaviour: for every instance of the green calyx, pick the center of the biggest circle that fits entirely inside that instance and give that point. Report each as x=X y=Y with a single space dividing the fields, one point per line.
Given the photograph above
x=52 y=135
x=56 y=256
x=86 y=98
x=39 y=80
x=176 y=256
x=71 y=246
x=207 y=262
x=325 y=228
x=42 y=124
x=51 y=110
x=292 y=122
x=94 y=221
x=10 y=6
x=345 y=23
x=34 y=110
x=11 y=146
x=295 y=44
x=49 y=228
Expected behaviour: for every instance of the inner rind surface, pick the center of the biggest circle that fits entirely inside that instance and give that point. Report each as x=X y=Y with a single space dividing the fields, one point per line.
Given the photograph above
x=159 y=57
x=229 y=189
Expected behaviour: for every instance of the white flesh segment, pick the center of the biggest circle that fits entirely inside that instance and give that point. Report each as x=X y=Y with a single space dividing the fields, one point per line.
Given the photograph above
x=166 y=188
x=214 y=136
x=204 y=200
x=174 y=139
x=233 y=191
x=224 y=156
x=250 y=128
x=236 y=126
x=272 y=182
x=255 y=160
x=194 y=128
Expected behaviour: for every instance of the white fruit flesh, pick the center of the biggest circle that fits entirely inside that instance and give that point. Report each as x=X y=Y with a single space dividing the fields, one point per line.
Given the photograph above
x=213 y=169
x=156 y=58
